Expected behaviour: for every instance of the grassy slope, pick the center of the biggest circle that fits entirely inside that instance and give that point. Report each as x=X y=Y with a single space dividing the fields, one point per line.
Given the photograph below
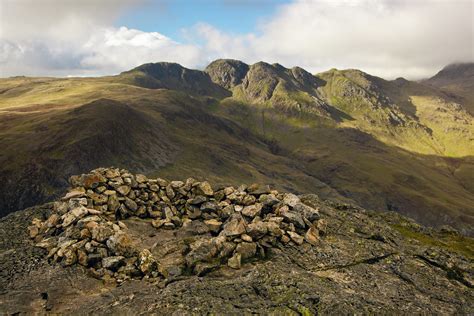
x=362 y=154
x=356 y=164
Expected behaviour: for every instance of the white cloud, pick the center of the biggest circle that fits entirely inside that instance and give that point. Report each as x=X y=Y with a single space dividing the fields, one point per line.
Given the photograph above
x=389 y=38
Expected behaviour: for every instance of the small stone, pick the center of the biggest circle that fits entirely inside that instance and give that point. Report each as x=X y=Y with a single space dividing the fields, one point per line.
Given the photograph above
x=169 y=225
x=113 y=203
x=146 y=262
x=274 y=229
x=236 y=226
x=112 y=173
x=157 y=223
x=121 y=244
x=101 y=189
x=252 y=210
x=75 y=193
x=82 y=258
x=70 y=257
x=258 y=189
x=235 y=261
x=248 y=200
x=140 y=178
x=294 y=218
x=101 y=233
x=33 y=231
x=322 y=225
x=257 y=230
x=285 y=239
x=85 y=233
x=76 y=202
x=205 y=188
x=123 y=189
x=113 y=263
x=193 y=212
x=213 y=224
x=198 y=199
x=209 y=207
x=268 y=200
x=298 y=239
x=170 y=192
x=176 y=184
x=312 y=236
x=92 y=211
x=73 y=216
x=92 y=180
x=154 y=187
x=308 y=212
x=131 y=204
x=246 y=237
x=290 y=199
x=246 y=249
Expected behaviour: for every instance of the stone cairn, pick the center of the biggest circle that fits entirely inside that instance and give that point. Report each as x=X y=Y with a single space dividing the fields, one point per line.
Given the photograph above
x=87 y=225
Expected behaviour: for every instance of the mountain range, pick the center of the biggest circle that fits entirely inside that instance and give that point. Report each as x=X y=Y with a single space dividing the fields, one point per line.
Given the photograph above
x=388 y=145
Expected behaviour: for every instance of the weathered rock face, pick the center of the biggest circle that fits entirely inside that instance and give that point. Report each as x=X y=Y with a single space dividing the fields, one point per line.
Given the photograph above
x=87 y=223
x=221 y=259
x=227 y=72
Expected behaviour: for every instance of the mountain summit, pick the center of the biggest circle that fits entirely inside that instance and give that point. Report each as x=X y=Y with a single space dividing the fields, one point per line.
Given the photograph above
x=119 y=242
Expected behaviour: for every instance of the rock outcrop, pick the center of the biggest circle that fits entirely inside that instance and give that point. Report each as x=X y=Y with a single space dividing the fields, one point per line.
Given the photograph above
x=127 y=244
x=221 y=226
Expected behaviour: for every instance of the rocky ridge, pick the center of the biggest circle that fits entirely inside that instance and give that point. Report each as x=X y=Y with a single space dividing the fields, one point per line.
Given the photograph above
x=224 y=226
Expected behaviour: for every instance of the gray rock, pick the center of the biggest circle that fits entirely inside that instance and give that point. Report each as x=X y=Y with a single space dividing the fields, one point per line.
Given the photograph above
x=113 y=263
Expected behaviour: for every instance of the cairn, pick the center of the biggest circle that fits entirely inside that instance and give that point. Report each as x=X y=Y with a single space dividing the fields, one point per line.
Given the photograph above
x=87 y=226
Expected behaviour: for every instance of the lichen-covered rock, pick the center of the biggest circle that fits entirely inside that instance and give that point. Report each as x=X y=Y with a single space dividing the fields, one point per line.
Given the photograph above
x=146 y=262
x=228 y=226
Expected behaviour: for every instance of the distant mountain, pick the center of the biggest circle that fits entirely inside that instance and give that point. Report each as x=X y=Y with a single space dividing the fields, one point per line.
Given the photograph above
x=174 y=77
x=392 y=145
x=458 y=81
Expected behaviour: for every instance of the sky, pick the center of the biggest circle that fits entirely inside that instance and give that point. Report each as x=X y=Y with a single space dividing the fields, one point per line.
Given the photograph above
x=388 y=38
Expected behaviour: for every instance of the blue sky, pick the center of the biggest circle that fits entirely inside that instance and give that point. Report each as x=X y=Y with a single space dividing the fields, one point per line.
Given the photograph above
x=170 y=17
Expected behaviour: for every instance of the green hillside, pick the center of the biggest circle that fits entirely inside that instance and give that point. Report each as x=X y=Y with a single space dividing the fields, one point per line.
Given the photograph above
x=387 y=145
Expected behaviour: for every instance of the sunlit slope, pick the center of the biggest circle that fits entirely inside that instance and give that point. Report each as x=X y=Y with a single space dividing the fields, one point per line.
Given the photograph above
x=429 y=188
x=388 y=145
x=401 y=113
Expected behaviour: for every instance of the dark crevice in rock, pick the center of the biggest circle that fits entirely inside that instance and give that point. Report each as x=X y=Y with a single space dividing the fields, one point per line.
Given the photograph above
x=453 y=273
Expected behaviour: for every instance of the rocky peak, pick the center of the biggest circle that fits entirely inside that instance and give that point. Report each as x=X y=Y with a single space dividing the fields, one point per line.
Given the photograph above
x=453 y=73
x=227 y=72
x=173 y=76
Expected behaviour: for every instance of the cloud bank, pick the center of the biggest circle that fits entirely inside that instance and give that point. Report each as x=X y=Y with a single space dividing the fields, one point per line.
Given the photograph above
x=389 y=38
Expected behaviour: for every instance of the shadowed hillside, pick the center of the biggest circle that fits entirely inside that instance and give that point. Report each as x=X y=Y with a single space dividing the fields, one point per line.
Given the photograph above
x=343 y=134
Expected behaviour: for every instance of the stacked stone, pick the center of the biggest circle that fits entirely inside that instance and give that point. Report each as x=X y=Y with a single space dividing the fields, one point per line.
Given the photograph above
x=87 y=226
